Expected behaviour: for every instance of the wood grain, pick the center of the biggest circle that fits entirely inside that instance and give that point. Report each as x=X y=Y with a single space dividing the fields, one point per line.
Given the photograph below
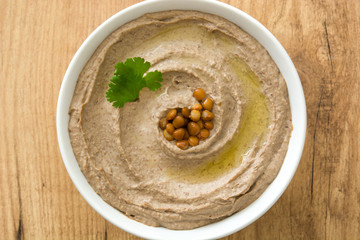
x=38 y=40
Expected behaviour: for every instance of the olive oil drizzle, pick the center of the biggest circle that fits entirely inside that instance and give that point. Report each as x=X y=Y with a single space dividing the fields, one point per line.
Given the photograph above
x=255 y=116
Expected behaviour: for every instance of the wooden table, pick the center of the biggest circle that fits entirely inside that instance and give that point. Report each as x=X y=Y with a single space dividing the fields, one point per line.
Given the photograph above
x=38 y=40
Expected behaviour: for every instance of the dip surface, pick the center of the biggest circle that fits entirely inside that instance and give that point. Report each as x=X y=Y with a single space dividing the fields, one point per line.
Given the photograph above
x=122 y=152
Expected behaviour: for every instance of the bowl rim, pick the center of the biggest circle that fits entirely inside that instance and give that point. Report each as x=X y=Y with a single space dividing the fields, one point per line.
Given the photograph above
x=238 y=220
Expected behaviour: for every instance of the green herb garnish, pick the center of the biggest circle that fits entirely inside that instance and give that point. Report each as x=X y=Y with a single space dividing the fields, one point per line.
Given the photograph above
x=129 y=79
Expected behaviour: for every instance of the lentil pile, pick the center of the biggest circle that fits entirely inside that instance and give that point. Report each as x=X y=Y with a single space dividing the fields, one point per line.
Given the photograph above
x=188 y=126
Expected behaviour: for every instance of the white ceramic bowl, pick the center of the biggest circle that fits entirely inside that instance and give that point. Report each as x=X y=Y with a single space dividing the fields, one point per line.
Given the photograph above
x=298 y=110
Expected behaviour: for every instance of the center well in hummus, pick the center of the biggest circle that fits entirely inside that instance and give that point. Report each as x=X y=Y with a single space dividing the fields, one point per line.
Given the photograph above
x=122 y=152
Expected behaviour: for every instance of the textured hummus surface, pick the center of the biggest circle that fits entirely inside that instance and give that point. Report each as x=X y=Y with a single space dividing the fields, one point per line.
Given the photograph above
x=122 y=152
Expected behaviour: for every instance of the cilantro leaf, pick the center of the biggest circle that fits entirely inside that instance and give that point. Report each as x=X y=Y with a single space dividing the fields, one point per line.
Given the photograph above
x=129 y=79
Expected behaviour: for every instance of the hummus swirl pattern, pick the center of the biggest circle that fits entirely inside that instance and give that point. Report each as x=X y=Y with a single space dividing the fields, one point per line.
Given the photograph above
x=134 y=168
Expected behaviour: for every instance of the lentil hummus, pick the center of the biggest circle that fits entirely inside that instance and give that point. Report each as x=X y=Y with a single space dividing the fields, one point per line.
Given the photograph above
x=123 y=153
